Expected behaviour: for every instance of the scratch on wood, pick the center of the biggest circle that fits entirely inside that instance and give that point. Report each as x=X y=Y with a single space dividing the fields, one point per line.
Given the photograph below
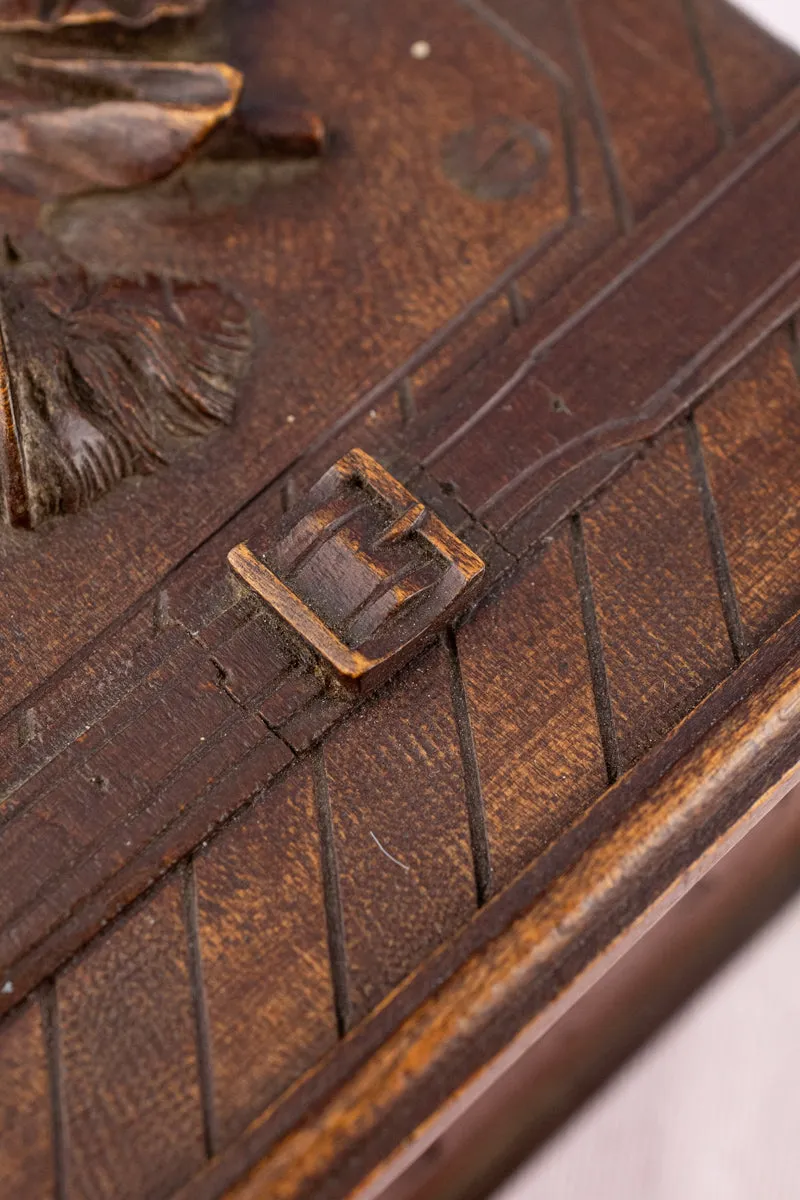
x=391 y=857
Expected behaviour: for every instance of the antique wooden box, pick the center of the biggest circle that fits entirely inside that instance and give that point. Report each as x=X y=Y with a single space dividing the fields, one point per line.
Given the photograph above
x=399 y=559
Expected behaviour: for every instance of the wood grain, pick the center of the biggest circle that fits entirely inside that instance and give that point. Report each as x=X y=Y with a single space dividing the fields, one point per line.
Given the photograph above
x=532 y=677
x=273 y=923
x=664 y=638
x=133 y=1116
x=264 y=953
x=750 y=70
x=567 y=393
x=333 y=251
x=644 y=71
x=750 y=422
x=27 y=1161
x=402 y=834
x=685 y=812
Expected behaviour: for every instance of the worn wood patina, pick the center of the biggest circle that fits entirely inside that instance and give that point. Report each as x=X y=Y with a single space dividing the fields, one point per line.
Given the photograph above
x=400 y=540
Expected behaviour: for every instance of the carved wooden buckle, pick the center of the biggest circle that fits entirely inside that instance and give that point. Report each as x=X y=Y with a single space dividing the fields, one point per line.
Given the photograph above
x=362 y=571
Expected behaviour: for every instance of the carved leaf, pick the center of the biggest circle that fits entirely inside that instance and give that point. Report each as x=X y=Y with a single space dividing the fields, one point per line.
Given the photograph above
x=98 y=383
x=53 y=14
x=123 y=124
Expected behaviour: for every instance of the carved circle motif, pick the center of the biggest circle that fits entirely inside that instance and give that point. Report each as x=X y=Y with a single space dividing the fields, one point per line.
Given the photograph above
x=497 y=160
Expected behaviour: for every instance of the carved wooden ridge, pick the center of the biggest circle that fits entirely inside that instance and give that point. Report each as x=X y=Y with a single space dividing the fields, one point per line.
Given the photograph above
x=374 y=572
x=246 y=911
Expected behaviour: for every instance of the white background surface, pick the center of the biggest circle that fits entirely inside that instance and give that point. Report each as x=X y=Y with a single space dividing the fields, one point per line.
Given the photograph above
x=781 y=16
x=710 y=1109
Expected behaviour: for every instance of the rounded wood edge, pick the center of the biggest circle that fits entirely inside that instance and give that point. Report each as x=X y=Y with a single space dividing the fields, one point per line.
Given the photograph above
x=654 y=854
x=504 y=1113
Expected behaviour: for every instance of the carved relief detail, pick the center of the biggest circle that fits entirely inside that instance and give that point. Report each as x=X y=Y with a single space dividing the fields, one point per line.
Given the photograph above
x=99 y=382
x=54 y=14
x=362 y=572
x=117 y=123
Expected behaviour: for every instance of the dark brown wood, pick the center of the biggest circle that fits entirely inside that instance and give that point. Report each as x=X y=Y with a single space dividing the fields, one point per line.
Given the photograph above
x=298 y=828
x=277 y=254
x=27 y=1163
x=101 y=381
x=126 y=1044
x=400 y=822
x=750 y=420
x=363 y=573
x=661 y=623
x=544 y=640
x=259 y=924
x=748 y=70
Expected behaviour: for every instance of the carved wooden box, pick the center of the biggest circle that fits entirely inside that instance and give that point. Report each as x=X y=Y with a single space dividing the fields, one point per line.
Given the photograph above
x=399 y=415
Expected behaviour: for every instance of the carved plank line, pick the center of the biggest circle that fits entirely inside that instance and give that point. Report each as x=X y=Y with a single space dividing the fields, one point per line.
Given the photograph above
x=175 y=840
x=282 y=479
x=476 y=810
x=49 y=1008
x=623 y=210
x=334 y=910
x=429 y=348
x=565 y=930
x=104 y=841
x=794 y=343
x=205 y=1068
x=721 y=119
x=594 y=646
x=777 y=314
x=45 y=958
x=719 y=557
x=770 y=671
x=446 y=331
x=663 y=407
x=425 y=351
x=559 y=78
x=603 y=294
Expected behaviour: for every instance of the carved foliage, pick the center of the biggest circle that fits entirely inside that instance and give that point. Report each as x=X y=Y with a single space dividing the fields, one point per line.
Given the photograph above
x=52 y=14
x=86 y=124
x=99 y=382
